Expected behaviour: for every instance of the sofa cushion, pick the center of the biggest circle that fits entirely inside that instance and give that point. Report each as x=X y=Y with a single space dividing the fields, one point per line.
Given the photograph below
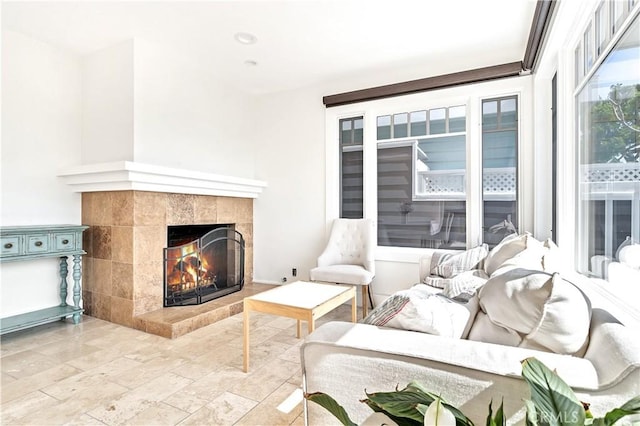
x=483 y=330
x=451 y=264
x=506 y=249
x=418 y=309
x=545 y=309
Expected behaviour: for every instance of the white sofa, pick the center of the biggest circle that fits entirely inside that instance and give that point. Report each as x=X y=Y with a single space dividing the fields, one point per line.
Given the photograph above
x=345 y=360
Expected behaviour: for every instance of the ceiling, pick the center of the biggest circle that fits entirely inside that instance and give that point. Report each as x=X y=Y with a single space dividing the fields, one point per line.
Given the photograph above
x=299 y=42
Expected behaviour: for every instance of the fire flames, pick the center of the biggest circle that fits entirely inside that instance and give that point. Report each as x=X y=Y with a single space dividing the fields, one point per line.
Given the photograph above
x=187 y=268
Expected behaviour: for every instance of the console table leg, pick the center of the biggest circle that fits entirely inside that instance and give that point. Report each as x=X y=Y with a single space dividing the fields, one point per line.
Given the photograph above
x=77 y=274
x=64 y=271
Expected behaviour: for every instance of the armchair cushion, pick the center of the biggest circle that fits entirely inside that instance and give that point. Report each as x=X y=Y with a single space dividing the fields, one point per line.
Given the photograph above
x=346 y=274
x=351 y=243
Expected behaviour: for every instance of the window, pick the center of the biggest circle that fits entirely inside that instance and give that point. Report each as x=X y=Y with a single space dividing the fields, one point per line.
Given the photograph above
x=608 y=109
x=421 y=182
x=421 y=162
x=499 y=168
x=602 y=27
x=351 y=177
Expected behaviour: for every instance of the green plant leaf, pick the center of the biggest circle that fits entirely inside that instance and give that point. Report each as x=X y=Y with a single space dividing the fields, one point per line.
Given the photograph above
x=554 y=400
x=499 y=419
x=532 y=413
x=490 y=420
x=401 y=421
x=628 y=408
x=415 y=386
x=404 y=404
x=398 y=404
x=330 y=405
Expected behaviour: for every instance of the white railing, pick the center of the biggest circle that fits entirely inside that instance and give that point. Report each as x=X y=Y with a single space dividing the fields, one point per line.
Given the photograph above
x=610 y=181
x=498 y=184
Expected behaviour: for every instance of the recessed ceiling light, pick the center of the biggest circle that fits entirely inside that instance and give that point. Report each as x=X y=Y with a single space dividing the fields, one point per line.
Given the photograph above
x=250 y=63
x=245 y=38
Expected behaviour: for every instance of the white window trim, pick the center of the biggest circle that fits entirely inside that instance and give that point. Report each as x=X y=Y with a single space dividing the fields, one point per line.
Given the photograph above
x=469 y=95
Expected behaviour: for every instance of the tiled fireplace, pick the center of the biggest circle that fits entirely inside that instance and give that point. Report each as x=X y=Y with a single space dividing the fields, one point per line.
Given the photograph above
x=123 y=268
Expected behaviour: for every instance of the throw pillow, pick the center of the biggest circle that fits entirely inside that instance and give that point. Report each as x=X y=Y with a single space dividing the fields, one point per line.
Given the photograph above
x=465 y=285
x=451 y=264
x=436 y=281
x=553 y=260
x=507 y=248
x=418 y=309
x=630 y=255
x=529 y=258
x=545 y=309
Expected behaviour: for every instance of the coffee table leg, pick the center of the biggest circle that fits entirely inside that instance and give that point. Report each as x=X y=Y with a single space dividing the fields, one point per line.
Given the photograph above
x=245 y=329
x=298 y=329
x=354 y=309
x=311 y=323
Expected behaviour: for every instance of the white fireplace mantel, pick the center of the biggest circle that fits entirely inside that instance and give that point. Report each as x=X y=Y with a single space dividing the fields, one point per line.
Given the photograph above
x=129 y=175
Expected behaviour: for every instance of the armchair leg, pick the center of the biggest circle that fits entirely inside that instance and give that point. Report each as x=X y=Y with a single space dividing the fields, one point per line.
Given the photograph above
x=365 y=300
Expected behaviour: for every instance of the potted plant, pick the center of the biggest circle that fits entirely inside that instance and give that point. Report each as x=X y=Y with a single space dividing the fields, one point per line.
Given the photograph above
x=552 y=402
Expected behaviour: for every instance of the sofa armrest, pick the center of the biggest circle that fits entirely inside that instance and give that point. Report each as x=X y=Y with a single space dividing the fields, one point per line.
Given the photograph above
x=613 y=349
x=487 y=357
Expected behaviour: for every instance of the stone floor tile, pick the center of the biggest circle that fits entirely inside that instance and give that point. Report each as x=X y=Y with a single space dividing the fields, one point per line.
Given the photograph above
x=18 y=388
x=26 y=363
x=158 y=414
x=226 y=409
x=263 y=381
x=100 y=373
x=145 y=372
x=267 y=412
x=120 y=410
x=15 y=410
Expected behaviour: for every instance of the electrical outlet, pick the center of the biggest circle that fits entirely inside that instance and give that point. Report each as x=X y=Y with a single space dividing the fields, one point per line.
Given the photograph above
x=283 y=279
x=294 y=272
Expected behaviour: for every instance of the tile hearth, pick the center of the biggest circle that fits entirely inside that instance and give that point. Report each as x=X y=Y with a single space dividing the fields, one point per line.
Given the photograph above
x=179 y=320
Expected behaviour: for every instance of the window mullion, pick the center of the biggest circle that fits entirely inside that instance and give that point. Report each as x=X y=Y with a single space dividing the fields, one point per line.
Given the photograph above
x=474 y=173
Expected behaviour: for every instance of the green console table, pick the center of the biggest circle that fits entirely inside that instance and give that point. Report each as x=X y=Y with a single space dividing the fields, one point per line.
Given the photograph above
x=20 y=243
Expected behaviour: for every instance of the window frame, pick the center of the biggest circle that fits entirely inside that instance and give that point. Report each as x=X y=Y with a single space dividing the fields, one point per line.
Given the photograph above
x=469 y=95
x=619 y=28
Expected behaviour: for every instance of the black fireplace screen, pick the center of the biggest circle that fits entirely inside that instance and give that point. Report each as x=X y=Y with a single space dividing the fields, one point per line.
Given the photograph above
x=205 y=268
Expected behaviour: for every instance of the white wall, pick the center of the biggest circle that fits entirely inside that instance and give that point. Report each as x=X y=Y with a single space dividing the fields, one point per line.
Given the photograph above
x=107 y=97
x=41 y=132
x=289 y=216
x=185 y=117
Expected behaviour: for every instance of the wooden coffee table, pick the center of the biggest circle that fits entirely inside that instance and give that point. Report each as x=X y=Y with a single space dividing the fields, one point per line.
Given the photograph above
x=302 y=301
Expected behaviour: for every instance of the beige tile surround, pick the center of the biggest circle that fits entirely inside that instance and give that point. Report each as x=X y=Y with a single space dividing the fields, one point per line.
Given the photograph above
x=123 y=268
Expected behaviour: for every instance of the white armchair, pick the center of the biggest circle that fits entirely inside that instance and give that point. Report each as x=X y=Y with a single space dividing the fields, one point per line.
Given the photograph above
x=349 y=256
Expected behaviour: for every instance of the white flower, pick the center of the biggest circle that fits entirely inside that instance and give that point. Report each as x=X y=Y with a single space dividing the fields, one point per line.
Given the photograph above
x=438 y=415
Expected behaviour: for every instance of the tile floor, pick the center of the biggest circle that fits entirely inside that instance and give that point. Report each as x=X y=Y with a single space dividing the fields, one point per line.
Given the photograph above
x=100 y=373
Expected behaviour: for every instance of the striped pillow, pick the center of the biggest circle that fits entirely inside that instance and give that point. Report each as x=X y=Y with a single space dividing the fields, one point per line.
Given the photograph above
x=418 y=309
x=451 y=264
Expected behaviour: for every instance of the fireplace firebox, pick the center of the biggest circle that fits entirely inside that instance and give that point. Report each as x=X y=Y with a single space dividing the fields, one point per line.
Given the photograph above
x=202 y=263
